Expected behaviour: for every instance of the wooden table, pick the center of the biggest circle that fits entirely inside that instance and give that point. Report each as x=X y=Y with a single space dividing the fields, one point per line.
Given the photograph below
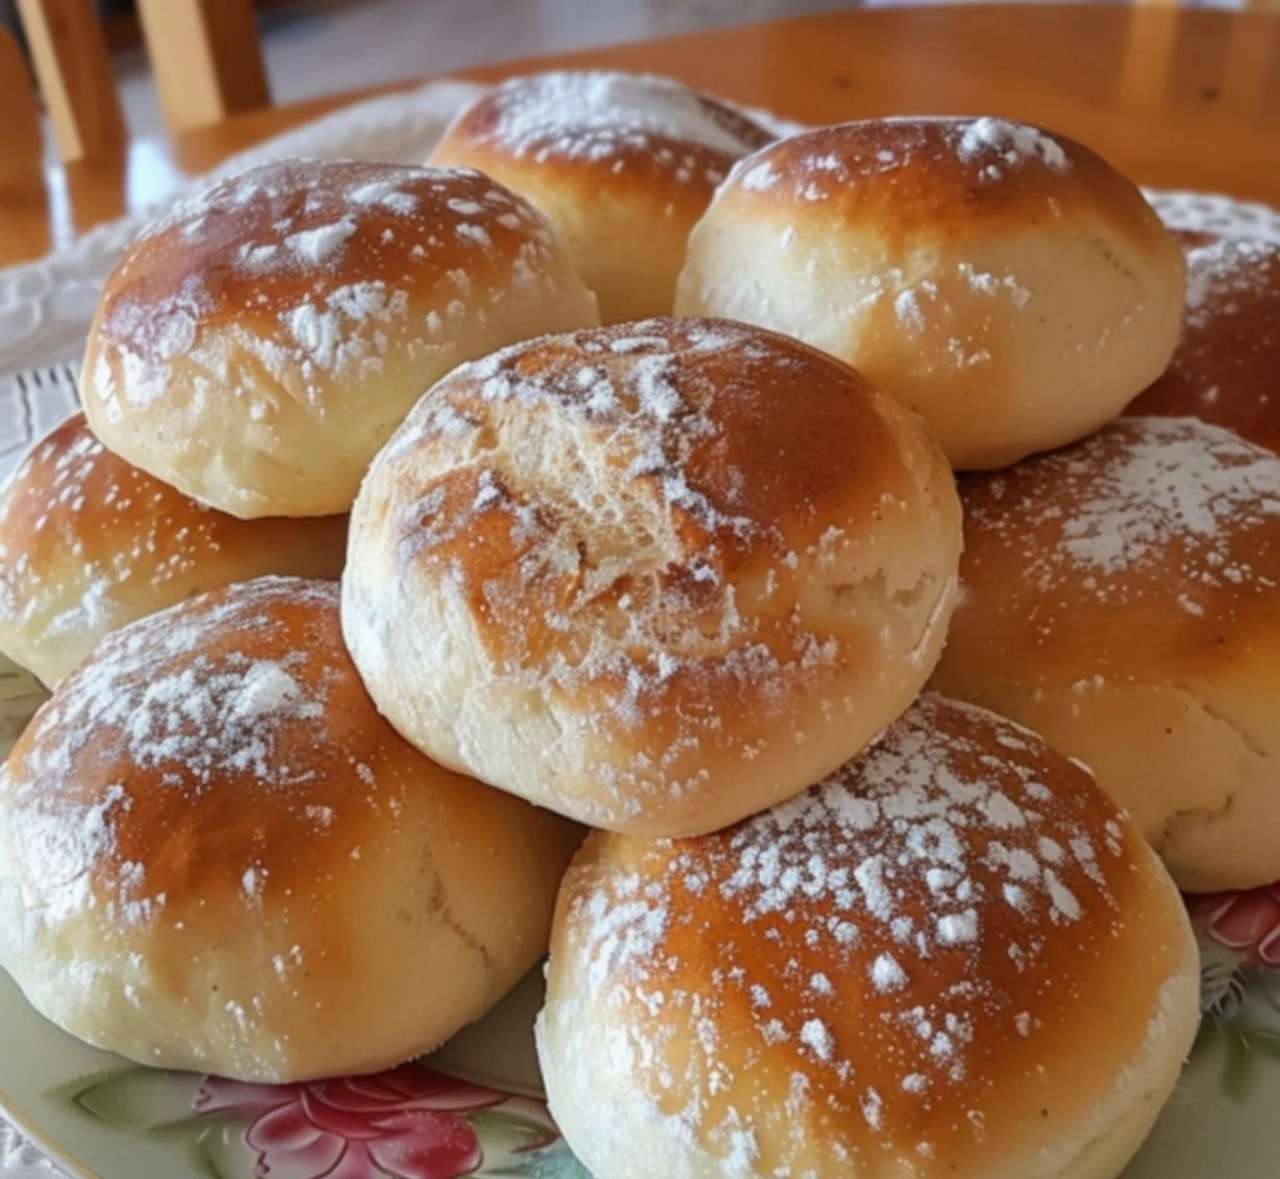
x=1176 y=98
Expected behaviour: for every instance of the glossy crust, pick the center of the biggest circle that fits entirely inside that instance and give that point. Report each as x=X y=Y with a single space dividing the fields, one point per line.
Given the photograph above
x=258 y=345
x=623 y=165
x=953 y=957
x=89 y=544
x=1122 y=597
x=216 y=856
x=1226 y=369
x=656 y=576
x=1006 y=283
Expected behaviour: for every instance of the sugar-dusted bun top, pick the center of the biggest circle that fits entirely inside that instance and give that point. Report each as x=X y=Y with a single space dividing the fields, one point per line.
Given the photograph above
x=1226 y=369
x=941 y=178
x=221 y=752
x=611 y=122
x=710 y=443
x=1149 y=552
x=952 y=955
x=229 y=729
x=319 y=260
x=89 y=543
x=644 y=470
x=621 y=164
x=257 y=345
x=677 y=537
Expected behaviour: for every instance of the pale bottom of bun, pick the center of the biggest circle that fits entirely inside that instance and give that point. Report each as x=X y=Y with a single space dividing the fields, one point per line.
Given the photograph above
x=1196 y=767
x=411 y=955
x=590 y=1065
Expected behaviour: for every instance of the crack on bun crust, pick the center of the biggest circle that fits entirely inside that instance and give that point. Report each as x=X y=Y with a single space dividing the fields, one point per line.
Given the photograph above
x=629 y=543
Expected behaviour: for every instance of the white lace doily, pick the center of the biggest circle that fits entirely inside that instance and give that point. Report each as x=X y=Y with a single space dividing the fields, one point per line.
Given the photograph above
x=46 y=306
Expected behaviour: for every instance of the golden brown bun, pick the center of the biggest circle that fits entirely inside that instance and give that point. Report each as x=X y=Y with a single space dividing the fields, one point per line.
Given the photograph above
x=1006 y=283
x=215 y=855
x=656 y=576
x=1226 y=369
x=256 y=346
x=623 y=165
x=1122 y=597
x=951 y=958
x=89 y=543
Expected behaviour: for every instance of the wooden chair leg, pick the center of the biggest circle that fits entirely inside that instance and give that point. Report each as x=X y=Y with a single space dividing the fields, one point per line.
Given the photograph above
x=74 y=71
x=206 y=57
x=24 y=212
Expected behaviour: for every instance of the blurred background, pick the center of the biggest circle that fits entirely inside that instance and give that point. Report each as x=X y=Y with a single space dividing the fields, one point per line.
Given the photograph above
x=315 y=47
x=109 y=106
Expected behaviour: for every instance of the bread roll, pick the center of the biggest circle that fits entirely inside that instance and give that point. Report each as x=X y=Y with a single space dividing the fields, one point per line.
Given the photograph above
x=89 y=543
x=1226 y=369
x=656 y=576
x=621 y=164
x=1122 y=597
x=1005 y=282
x=215 y=855
x=951 y=958
x=255 y=347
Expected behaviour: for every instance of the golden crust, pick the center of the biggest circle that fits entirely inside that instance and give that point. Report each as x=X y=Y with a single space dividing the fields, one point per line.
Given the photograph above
x=1121 y=597
x=698 y=561
x=286 y=234
x=258 y=345
x=89 y=543
x=219 y=856
x=945 y=180
x=914 y=965
x=622 y=165
x=1005 y=283
x=1226 y=369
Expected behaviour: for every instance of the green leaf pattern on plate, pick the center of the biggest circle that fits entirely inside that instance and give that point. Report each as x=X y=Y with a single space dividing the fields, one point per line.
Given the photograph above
x=1244 y=1029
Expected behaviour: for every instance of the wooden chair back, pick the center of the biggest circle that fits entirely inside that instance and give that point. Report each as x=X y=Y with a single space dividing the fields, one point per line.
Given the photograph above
x=206 y=56
x=22 y=194
x=207 y=59
x=69 y=54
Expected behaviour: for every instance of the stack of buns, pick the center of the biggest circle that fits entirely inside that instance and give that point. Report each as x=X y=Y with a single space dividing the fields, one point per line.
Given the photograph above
x=698 y=579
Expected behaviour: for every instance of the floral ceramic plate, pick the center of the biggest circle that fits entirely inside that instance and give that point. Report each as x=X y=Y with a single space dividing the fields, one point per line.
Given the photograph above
x=475 y=1107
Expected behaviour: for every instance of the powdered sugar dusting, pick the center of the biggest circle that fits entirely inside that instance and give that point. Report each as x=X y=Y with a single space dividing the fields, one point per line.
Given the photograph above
x=331 y=257
x=607 y=118
x=315 y=246
x=649 y=392
x=1141 y=494
x=901 y=846
x=176 y=696
x=1223 y=273
x=1224 y=368
x=826 y=163
x=816 y=1036
x=1012 y=144
x=88 y=542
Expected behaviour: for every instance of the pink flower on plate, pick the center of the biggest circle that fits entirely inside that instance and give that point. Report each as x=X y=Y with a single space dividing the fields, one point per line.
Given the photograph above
x=408 y=1123
x=1246 y=922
